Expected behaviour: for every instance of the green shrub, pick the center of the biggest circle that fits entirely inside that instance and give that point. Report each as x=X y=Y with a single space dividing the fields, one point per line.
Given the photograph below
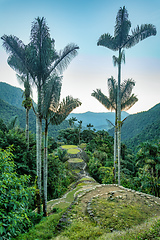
x=15 y=196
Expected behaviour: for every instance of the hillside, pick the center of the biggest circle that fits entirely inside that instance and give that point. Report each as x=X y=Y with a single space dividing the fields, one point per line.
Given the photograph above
x=7 y=112
x=11 y=95
x=136 y=128
x=98 y=120
x=136 y=123
x=141 y=127
x=90 y=210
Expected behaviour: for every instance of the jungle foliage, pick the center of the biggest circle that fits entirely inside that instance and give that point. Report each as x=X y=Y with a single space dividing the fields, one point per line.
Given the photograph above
x=16 y=198
x=99 y=147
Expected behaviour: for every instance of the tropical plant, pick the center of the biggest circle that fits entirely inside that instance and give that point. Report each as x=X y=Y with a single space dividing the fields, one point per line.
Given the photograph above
x=148 y=164
x=79 y=130
x=89 y=126
x=24 y=159
x=27 y=102
x=68 y=136
x=72 y=121
x=54 y=112
x=123 y=39
x=127 y=101
x=58 y=176
x=16 y=198
x=40 y=59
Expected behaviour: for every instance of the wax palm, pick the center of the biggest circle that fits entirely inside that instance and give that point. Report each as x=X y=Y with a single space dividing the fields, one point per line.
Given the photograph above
x=27 y=102
x=127 y=101
x=123 y=39
x=54 y=112
x=40 y=59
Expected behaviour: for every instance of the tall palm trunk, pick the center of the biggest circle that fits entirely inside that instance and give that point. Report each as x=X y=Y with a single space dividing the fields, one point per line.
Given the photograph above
x=119 y=116
x=38 y=149
x=27 y=128
x=115 y=146
x=39 y=144
x=45 y=169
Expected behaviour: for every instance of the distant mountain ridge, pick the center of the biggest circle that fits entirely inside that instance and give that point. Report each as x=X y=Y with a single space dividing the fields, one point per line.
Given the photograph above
x=140 y=127
x=136 y=128
x=97 y=119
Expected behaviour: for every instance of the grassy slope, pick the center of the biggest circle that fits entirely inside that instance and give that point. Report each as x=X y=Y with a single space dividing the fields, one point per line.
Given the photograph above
x=90 y=219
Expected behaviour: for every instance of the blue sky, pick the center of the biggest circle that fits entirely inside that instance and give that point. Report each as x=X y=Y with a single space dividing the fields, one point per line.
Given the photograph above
x=83 y=22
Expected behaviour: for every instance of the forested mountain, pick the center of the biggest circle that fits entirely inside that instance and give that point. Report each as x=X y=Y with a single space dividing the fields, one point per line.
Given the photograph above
x=98 y=120
x=13 y=96
x=137 y=128
x=141 y=127
x=8 y=111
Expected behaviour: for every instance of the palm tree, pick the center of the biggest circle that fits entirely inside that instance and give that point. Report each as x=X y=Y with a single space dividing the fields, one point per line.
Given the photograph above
x=40 y=59
x=123 y=39
x=89 y=126
x=127 y=101
x=55 y=114
x=27 y=102
x=79 y=130
x=148 y=158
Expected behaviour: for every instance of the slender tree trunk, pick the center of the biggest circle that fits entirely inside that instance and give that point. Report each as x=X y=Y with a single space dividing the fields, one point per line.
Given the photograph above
x=38 y=148
x=45 y=169
x=115 y=146
x=27 y=127
x=119 y=118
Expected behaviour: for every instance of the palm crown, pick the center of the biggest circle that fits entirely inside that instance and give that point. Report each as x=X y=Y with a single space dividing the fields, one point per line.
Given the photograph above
x=122 y=37
x=127 y=100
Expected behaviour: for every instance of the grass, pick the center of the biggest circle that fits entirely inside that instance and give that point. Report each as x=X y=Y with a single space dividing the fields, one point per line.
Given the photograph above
x=128 y=215
x=68 y=146
x=44 y=230
x=87 y=179
x=75 y=160
x=80 y=231
x=73 y=151
x=76 y=170
x=147 y=231
x=121 y=214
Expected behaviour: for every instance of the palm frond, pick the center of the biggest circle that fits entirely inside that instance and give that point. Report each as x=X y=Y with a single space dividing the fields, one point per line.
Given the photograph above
x=112 y=88
x=122 y=27
x=115 y=60
x=119 y=59
x=16 y=49
x=104 y=100
x=25 y=80
x=140 y=33
x=16 y=64
x=64 y=109
x=65 y=57
x=106 y=40
x=50 y=94
x=129 y=102
x=126 y=89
